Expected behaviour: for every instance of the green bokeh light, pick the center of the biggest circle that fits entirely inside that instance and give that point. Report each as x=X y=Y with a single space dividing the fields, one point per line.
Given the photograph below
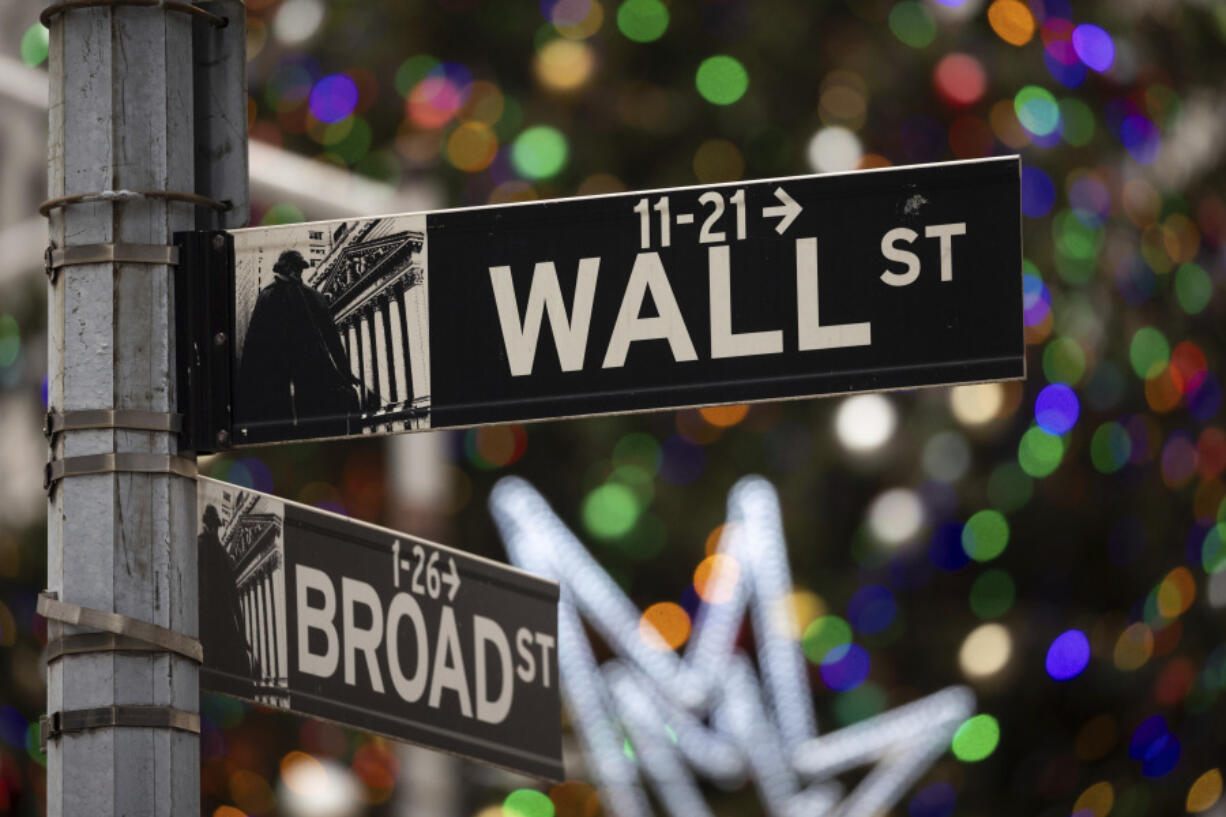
x=1193 y=288
x=1037 y=110
x=992 y=594
x=1078 y=120
x=859 y=704
x=380 y=165
x=412 y=71
x=1064 y=361
x=356 y=143
x=283 y=213
x=610 y=511
x=34 y=744
x=1075 y=271
x=1076 y=240
x=10 y=340
x=642 y=20
x=638 y=449
x=511 y=120
x=985 y=535
x=1110 y=448
x=35 y=44
x=646 y=539
x=546 y=34
x=913 y=24
x=1150 y=612
x=976 y=738
x=539 y=152
x=637 y=479
x=1009 y=487
x=823 y=635
x=1213 y=549
x=1039 y=453
x=527 y=803
x=721 y=79
x=1149 y=352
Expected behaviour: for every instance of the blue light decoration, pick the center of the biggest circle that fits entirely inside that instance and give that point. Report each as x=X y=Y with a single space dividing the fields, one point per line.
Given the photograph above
x=1069 y=75
x=1094 y=47
x=945 y=547
x=705 y=713
x=1091 y=201
x=682 y=461
x=334 y=98
x=872 y=609
x=934 y=800
x=845 y=667
x=1036 y=300
x=1068 y=655
x=1205 y=402
x=1153 y=744
x=1038 y=192
x=1140 y=136
x=1056 y=409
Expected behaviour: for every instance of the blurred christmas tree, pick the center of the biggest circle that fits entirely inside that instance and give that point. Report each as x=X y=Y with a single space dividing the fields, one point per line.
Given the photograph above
x=1059 y=544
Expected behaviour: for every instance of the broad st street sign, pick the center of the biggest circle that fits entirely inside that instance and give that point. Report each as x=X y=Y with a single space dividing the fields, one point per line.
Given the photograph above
x=760 y=290
x=307 y=611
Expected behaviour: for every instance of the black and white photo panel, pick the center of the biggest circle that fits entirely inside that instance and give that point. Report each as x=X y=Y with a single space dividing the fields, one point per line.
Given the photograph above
x=332 y=335
x=241 y=552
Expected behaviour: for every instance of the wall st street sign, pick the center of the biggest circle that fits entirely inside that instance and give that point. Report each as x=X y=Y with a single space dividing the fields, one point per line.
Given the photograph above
x=756 y=290
x=311 y=612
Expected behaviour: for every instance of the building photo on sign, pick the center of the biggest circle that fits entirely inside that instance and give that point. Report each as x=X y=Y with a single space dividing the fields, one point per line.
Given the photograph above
x=332 y=329
x=241 y=545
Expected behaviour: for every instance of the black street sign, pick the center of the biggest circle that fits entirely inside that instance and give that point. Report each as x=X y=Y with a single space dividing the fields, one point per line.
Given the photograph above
x=729 y=293
x=304 y=610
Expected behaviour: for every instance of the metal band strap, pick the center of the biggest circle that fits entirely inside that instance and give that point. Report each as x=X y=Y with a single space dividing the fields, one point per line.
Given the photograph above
x=51 y=608
x=86 y=643
x=120 y=253
x=47 y=206
x=169 y=5
x=118 y=462
x=138 y=420
x=148 y=717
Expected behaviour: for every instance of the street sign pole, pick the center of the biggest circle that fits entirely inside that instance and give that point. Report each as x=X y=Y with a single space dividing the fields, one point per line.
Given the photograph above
x=122 y=696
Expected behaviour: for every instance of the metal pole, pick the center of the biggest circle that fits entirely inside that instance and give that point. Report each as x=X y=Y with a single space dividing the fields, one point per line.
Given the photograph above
x=120 y=119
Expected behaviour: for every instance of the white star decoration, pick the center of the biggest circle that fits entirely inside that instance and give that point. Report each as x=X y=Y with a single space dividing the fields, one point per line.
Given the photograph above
x=708 y=714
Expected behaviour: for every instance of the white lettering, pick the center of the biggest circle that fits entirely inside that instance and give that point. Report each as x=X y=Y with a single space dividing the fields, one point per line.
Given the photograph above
x=486 y=631
x=448 y=671
x=812 y=335
x=724 y=343
x=523 y=645
x=546 y=644
x=648 y=274
x=545 y=295
x=357 y=640
x=410 y=689
x=946 y=233
x=316 y=618
x=893 y=253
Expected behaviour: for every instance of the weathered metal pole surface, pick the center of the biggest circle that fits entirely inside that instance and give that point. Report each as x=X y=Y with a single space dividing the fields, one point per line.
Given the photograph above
x=120 y=118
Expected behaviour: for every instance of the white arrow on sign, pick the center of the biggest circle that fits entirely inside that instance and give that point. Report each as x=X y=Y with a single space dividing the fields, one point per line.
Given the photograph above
x=788 y=211
x=451 y=579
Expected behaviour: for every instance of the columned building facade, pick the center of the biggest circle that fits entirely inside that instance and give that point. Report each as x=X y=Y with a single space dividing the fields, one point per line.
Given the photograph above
x=374 y=279
x=253 y=543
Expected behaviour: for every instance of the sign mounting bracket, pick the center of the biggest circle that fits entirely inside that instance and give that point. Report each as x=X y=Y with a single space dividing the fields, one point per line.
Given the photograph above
x=204 y=333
